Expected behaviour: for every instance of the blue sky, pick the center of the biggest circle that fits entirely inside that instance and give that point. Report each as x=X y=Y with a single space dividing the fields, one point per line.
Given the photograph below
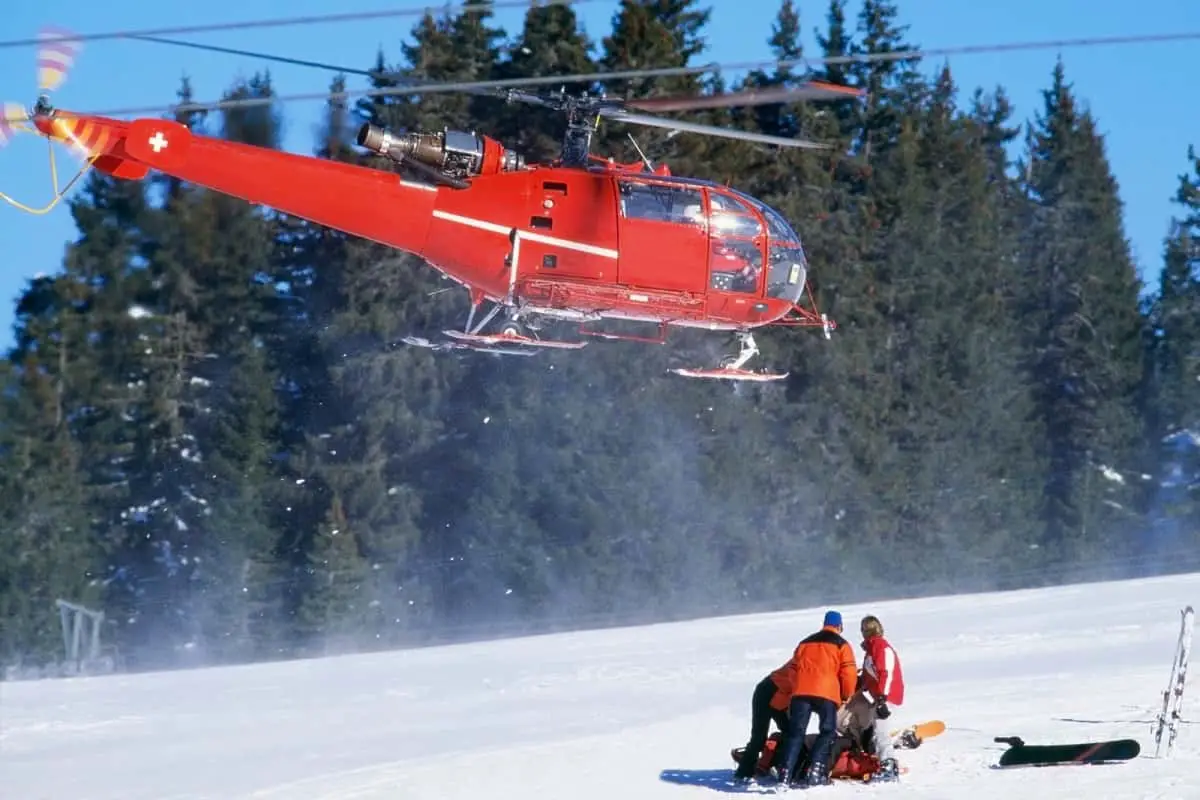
x=1138 y=92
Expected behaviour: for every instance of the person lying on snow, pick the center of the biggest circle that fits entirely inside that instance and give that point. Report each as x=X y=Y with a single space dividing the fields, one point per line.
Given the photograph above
x=848 y=759
x=880 y=686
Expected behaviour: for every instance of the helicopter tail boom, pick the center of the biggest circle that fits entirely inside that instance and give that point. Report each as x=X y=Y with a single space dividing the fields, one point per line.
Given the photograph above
x=364 y=202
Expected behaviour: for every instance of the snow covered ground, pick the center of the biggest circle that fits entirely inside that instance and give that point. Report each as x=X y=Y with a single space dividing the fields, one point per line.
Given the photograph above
x=646 y=712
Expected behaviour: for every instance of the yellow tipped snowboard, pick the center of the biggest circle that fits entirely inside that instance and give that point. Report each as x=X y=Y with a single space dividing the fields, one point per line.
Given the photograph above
x=911 y=737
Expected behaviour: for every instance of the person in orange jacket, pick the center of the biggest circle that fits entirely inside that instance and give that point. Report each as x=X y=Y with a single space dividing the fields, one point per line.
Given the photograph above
x=769 y=703
x=826 y=677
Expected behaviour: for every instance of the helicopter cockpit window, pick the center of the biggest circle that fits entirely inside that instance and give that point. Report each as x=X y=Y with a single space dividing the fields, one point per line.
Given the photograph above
x=660 y=203
x=737 y=258
x=736 y=265
x=787 y=272
x=731 y=217
x=777 y=226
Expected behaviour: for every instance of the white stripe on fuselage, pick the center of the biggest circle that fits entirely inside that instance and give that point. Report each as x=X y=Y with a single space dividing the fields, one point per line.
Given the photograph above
x=580 y=316
x=504 y=230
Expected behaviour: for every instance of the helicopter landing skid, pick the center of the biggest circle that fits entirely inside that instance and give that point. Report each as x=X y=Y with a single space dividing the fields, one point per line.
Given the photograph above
x=731 y=374
x=731 y=368
x=420 y=341
x=513 y=339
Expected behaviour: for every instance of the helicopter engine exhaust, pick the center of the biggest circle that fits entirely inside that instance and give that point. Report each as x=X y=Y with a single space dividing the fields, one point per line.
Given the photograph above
x=455 y=155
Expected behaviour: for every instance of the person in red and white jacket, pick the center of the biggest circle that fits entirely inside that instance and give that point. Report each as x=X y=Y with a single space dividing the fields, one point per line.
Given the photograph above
x=883 y=679
x=881 y=686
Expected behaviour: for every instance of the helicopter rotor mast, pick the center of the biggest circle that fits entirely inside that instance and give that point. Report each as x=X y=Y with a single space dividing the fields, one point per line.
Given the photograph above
x=582 y=112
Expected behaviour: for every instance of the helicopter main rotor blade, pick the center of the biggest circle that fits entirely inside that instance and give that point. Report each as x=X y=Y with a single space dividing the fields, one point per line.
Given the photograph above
x=708 y=130
x=810 y=90
x=398 y=78
x=517 y=96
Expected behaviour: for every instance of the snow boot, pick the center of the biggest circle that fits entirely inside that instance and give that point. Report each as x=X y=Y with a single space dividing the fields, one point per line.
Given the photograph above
x=746 y=768
x=889 y=771
x=817 y=775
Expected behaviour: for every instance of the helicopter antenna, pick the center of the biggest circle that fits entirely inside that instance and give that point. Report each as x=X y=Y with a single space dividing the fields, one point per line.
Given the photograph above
x=641 y=155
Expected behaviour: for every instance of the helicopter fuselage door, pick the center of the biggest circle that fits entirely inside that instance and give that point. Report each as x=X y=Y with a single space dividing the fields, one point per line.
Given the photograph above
x=568 y=238
x=664 y=236
x=738 y=239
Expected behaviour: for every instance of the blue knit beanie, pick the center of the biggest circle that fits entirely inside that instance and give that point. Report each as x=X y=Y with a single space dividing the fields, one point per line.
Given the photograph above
x=833 y=619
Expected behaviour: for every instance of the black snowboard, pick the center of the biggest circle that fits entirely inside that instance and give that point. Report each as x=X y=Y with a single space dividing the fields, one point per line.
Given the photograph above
x=1020 y=754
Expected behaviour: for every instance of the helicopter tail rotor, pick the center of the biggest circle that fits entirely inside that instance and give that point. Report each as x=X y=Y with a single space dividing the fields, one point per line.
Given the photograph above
x=56 y=56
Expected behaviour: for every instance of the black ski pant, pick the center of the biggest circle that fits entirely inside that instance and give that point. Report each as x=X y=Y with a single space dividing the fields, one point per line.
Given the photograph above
x=761 y=715
x=801 y=708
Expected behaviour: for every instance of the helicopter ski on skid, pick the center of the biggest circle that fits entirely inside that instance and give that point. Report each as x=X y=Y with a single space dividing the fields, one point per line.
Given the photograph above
x=581 y=238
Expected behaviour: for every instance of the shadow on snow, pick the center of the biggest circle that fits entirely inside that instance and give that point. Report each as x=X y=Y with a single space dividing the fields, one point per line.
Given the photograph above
x=720 y=780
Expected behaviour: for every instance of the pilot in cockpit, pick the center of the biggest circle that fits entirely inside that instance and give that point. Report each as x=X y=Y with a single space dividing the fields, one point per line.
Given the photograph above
x=735 y=265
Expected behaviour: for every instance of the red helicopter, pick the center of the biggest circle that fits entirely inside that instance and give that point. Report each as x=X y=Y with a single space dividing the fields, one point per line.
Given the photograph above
x=582 y=238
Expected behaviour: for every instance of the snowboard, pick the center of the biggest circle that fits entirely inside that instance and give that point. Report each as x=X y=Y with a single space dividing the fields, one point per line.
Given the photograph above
x=911 y=737
x=1020 y=754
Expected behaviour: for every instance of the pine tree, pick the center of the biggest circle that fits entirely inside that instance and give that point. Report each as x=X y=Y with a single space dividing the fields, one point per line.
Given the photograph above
x=654 y=34
x=1178 y=309
x=236 y=599
x=334 y=608
x=893 y=85
x=1082 y=312
x=836 y=44
x=552 y=42
x=50 y=551
x=1176 y=353
x=462 y=47
x=203 y=303
x=80 y=331
x=375 y=410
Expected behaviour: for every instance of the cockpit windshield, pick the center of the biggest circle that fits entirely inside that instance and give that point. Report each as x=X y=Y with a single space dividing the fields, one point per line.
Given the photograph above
x=777 y=226
x=787 y=267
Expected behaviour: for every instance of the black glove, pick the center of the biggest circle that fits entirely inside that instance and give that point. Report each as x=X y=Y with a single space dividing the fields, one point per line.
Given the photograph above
x=881 y=709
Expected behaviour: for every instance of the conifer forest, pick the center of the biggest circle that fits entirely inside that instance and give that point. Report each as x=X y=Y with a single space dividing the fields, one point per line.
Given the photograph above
x=212 y=431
